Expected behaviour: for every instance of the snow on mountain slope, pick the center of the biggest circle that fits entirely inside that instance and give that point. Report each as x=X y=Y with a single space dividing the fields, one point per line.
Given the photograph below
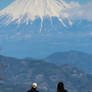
x=28 y=10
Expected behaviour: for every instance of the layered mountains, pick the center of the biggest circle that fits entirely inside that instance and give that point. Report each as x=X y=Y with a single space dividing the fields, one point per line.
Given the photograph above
x=81 y=60
x=17 y=75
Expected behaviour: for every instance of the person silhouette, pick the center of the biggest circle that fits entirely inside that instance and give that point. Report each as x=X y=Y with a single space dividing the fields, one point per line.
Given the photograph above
x=60 y=87
x=34 y=88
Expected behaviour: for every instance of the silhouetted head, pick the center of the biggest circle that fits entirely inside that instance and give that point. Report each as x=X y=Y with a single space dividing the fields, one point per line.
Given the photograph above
x=34 y=85
x=60 y=87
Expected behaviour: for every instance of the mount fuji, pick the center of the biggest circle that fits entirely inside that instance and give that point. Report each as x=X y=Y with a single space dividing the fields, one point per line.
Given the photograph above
x=41 y=27
x=53 y=14
x=25 y=11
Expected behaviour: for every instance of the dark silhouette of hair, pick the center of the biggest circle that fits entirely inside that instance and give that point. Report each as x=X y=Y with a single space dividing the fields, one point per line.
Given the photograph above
x=60 y=87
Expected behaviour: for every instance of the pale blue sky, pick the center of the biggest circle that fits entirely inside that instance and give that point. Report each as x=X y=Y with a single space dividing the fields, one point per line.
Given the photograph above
x=4 y=3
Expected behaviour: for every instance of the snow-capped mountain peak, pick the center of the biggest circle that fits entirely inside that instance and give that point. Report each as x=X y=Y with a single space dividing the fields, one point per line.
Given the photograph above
x=29 y=10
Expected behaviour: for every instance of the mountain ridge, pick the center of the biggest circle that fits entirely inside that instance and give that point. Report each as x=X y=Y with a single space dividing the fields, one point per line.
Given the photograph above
x=19 y=74
x=82 y=61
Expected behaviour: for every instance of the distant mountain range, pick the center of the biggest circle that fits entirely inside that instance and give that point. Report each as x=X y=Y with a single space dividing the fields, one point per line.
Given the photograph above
x=82 y=61
x=17 y=75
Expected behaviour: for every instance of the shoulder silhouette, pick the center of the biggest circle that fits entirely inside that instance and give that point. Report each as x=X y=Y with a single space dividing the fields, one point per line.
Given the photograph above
x=65 y=90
